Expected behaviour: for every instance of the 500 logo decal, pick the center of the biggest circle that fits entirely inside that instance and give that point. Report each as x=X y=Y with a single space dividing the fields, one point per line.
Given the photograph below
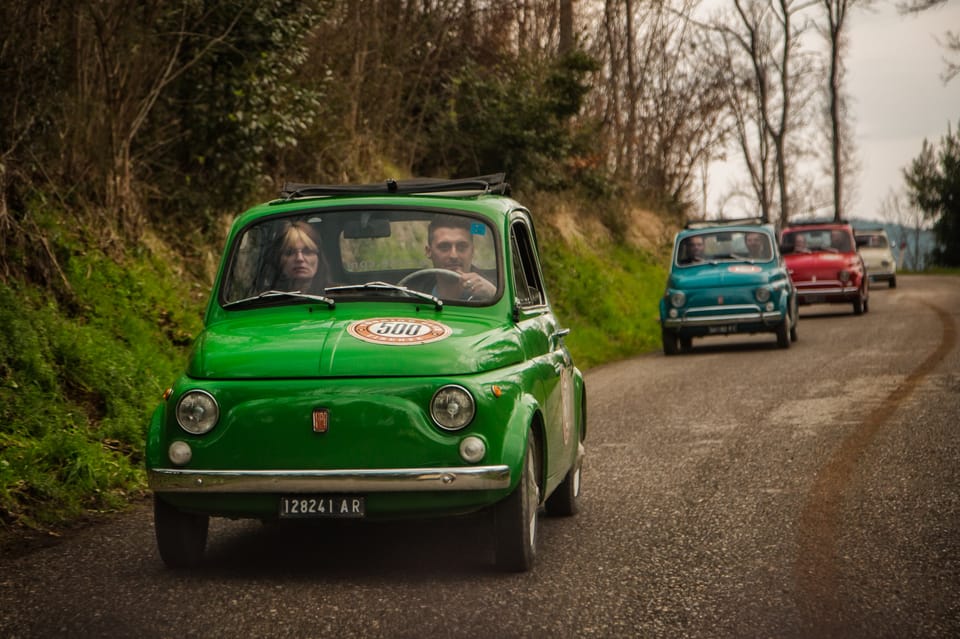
x=399 y=331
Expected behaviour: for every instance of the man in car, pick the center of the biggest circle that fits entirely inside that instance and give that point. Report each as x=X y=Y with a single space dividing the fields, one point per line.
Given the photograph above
x=757 y=246
x=450 y=247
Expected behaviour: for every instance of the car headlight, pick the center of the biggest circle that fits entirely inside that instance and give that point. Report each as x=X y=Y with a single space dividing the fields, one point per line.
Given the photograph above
x=678 y=298
x=844 y=276
x=452 y=407
x=197 y=412
x=762 y=294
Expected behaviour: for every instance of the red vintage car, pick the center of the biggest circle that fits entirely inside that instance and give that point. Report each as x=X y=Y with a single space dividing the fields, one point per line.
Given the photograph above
x=824 y=265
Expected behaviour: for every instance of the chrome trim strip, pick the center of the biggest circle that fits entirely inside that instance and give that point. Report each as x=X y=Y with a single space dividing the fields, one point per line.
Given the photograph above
x=838 y=290
x=174 y=480
x=718 y=320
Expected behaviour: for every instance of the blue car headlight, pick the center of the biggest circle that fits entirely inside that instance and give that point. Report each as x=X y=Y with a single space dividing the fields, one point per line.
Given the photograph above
x=678 y=299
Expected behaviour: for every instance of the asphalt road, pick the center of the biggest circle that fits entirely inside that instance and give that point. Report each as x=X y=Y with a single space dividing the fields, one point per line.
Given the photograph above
x=738 y=491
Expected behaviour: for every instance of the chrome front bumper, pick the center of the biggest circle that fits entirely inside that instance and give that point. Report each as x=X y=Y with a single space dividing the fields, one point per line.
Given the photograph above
x=701 y=316
x=176 y=480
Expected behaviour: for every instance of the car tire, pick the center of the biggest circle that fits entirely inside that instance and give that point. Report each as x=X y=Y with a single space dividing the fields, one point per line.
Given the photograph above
x=858 y=305
x=686 y=344
x=181 y=537
x=515 y=518
x=893 y=282
x=565 y=500
x=783 y=334
x=671 y=342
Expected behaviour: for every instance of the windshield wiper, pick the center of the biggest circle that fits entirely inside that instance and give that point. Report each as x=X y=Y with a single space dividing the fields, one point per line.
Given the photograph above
x=271 y=294
x=385 y=286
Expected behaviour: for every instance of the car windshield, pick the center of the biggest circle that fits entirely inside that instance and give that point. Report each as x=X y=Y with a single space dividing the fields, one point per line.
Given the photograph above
x=718 y=246
x=873 y=241
x=384 y=254
x=834 y=240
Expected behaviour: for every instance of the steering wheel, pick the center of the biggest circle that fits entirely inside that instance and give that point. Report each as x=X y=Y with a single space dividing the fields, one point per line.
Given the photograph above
x=439 y=273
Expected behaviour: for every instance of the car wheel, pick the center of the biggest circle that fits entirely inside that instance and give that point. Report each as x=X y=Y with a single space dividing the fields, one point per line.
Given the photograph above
x=181 y=537
x=565 y=502
x=686 y=344
x=793 y=330
x=893 y=282
x=858 y=306
x=783 y=336
x=515 y=518
x=671 y=343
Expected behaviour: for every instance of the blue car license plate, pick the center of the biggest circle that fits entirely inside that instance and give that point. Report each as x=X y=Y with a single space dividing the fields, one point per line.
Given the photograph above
x=309 y=506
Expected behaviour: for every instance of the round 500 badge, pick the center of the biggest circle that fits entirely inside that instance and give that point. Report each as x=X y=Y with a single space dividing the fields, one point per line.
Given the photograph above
x=399 y=331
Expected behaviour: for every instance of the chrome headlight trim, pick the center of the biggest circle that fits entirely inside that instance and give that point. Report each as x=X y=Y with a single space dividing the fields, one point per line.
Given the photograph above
x=452 y=407
x=197 y=412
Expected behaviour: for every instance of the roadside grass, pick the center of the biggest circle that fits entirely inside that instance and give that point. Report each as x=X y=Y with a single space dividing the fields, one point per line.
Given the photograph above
x=607 y=295
x=81 y=371
x=79 y=378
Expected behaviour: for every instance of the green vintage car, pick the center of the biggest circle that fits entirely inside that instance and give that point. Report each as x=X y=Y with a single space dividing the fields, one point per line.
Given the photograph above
x=374 y=351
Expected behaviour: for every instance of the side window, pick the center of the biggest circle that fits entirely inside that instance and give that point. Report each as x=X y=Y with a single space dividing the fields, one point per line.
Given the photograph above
x=526 y=275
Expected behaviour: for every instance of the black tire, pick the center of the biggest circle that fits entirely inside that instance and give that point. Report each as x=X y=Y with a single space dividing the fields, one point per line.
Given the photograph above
x=671 y=343
x=181 y=537
x=783 y=336
x=793 y=329
x=858 y=306
x=565 y=500
x=686 y=344
x=893 y=282
x=515 y=518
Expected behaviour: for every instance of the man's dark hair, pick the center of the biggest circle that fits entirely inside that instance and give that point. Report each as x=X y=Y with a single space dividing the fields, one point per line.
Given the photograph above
x=448 y=222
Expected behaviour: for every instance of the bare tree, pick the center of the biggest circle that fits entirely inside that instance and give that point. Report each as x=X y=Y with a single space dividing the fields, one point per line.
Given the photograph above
x=767 y=91
x=660 y=104
x=951 y=39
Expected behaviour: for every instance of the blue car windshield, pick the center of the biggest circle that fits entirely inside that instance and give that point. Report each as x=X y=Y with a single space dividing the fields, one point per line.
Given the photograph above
x=724 y=245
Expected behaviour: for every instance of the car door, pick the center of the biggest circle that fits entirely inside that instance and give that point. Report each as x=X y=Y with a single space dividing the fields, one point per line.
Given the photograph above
x=543 y=340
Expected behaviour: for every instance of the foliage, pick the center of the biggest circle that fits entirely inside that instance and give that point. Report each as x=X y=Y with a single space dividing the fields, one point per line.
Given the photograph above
x=933 y=186
x=77 y=384
x=607 y=294
x=515 y=117
x=237 y=107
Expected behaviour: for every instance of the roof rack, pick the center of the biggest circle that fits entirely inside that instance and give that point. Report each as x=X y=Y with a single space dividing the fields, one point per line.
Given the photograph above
x=817 y=222
x=493 y=183
x=743 y=221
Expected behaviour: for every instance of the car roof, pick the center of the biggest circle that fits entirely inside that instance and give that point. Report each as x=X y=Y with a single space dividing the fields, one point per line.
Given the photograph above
x=486 y=195
x=745 y=225
x=794 y=227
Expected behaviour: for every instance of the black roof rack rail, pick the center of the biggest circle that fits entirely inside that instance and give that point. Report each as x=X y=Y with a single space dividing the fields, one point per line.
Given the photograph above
x=817 y=222
x=742 y=221
x=493 y=183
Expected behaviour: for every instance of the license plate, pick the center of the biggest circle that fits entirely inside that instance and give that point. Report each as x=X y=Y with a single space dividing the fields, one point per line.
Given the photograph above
x=335 y=506
x=726 y=328
x=816 y=299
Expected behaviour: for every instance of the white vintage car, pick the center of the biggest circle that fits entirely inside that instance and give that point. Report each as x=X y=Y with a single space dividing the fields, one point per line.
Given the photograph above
x=874 y=247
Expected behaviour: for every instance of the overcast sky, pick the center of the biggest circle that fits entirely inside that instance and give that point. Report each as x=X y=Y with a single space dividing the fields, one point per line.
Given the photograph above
x=894 y=69
x=894 y=66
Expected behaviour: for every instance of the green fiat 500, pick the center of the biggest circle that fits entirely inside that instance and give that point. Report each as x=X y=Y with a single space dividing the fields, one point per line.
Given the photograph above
x=374 y=351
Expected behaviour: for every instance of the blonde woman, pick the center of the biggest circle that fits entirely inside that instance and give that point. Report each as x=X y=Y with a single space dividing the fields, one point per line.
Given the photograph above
x=301 y=267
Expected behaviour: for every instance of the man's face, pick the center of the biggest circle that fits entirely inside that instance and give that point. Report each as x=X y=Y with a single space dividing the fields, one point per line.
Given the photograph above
x=696 y=246
x=754 y=243
x=451 y=248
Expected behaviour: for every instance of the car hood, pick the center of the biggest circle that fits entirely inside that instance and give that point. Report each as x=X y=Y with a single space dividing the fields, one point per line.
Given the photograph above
x=822 y=265
x=725 y=274
x=305 y=346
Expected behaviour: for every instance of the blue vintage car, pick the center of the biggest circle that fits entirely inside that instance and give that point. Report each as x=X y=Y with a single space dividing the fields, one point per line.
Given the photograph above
x=727 y=278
